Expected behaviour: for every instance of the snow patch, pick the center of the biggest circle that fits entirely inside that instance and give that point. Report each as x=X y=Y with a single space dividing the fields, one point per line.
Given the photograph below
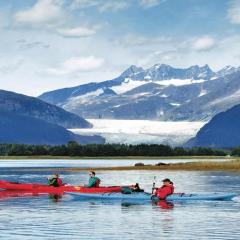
x=127 y=85
x=74 y=102
x=116 y=106
x=179 y=82
x=202 y=93
x=147 y=77
x=175 y=104
x=130 y=84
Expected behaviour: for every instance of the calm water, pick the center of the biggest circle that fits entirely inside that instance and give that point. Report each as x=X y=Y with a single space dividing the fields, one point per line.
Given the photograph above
x=41 y=217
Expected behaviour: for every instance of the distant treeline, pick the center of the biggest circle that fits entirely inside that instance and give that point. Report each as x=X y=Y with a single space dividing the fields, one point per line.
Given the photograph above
x=102 y=150
x=236 y=152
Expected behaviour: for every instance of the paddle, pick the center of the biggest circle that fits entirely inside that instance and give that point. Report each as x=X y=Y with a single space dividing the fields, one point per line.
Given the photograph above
x=154 y=182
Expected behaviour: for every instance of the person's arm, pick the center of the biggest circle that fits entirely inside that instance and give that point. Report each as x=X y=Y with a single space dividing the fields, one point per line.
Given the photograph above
x=51 y=181
x=91 y=183
x=155 y=191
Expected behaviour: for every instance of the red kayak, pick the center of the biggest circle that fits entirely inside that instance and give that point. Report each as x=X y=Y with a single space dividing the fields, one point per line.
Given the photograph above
x=41 y=188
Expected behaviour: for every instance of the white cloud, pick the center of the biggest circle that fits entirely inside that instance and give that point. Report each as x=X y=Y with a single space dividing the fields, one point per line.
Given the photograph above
x=113 y=6
x=49 y=14
x=80 y=4
x=150 y=3
x=77 y=64
x=77 y=32
x=234 y=12
x=101 y=5
x=203 y=43
x=44 y=11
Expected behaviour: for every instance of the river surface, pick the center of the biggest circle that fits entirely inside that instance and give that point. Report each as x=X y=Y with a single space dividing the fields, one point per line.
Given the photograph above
x=44 y=217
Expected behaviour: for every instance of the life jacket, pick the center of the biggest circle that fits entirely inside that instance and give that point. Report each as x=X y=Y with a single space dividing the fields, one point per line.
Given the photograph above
x=56 y=182
x=59 y=182
x=164 y=191
x=98 y=181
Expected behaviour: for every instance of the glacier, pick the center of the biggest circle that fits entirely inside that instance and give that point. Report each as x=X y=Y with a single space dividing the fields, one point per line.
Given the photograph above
x=142 y=131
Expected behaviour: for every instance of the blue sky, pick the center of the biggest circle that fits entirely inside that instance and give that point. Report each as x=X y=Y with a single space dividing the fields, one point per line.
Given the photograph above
x=50 y=44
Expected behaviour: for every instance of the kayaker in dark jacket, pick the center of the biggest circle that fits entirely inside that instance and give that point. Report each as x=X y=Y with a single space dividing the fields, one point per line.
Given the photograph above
x=136 y=188
x=93 y=180
x=55 y=181
x=166 y=189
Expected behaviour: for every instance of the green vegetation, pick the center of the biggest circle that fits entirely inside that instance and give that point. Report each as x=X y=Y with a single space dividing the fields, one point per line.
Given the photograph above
x=236 y=152
x=73 y=149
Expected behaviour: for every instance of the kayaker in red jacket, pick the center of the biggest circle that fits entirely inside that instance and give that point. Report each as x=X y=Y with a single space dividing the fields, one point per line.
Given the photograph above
x=166 y=189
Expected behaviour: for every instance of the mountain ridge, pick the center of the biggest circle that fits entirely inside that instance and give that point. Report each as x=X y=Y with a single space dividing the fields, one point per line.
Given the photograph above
x=28 y=120
x=34 y=107
x=173 y=96
x=20 y=129
x=221 y=131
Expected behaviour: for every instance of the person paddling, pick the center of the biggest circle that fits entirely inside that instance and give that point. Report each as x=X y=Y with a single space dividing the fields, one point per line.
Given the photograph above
x=136 y=188
x=93 y=180
x=166 y=189
x=55 y=181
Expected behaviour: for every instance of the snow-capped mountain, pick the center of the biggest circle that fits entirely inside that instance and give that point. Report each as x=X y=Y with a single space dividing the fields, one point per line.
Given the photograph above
x=166 y=72
x=159 y=92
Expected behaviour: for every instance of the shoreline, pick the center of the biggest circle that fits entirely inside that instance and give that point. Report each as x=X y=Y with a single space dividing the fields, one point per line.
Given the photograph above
x=49 y=157
x=232 y=165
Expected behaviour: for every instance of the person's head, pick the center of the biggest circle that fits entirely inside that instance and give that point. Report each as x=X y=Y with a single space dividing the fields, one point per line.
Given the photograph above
x=92 y=174
x=167 y=182
x=56 y=175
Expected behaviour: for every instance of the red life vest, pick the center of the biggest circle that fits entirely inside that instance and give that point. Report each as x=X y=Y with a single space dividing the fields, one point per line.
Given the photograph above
x=164 y=191
x=97 y=182
x=59 y=181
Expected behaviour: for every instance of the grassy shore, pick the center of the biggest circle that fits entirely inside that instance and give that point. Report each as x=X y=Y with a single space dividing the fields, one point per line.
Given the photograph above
x=232 y=165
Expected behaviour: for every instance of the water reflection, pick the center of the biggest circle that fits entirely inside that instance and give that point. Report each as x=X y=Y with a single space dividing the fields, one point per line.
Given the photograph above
x=164 y=204
x=55 y=197
x=8 y=194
